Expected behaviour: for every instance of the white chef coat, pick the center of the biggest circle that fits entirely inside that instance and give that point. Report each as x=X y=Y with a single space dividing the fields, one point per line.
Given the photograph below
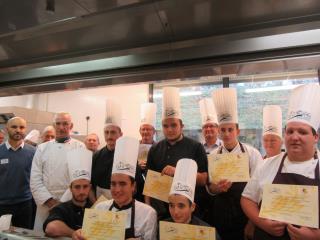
x=266 y=173
x=145 y=219
x=49 y=174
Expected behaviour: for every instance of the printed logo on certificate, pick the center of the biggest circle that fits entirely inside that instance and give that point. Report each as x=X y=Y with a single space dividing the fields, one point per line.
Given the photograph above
x=157 y=186
x=179 y=231
x=101 y=225
x=295 y=204
x=230 y=166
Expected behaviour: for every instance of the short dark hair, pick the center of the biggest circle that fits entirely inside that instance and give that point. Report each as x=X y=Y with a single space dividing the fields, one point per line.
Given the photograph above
x=314 y=132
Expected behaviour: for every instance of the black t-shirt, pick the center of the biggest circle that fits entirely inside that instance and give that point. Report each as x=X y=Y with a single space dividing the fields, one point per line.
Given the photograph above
x=163 y=154
x=102 y=162
x=69 y=213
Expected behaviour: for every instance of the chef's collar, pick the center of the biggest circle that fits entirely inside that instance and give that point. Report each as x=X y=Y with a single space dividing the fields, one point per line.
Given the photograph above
x=125 y=207
x=63 y=140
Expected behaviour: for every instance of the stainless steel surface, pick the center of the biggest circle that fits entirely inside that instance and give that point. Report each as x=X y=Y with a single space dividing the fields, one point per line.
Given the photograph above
x=85 y=43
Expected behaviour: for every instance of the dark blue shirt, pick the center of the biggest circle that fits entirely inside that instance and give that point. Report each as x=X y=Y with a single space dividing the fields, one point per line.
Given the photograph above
x=15 y=167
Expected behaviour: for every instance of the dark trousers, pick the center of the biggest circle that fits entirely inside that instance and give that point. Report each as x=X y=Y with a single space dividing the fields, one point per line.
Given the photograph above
x=21 y=213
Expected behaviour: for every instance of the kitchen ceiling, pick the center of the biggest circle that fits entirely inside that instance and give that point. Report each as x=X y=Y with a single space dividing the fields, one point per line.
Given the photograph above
x=70 y=44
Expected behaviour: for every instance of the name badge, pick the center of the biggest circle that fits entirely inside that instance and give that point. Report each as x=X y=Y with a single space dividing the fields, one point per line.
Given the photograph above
x=4 y=161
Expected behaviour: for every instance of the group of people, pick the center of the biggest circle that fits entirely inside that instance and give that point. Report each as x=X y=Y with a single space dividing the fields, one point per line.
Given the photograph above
x=65 y=177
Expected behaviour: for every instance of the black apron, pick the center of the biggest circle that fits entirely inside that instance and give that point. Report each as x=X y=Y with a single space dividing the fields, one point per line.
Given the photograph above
x=129 y=233
x=229 y=219
x=291 y=179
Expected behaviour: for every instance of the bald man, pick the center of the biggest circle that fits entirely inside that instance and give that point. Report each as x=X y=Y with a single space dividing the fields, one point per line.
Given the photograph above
x=92 y=142
x=49 y=173
x=15 y=165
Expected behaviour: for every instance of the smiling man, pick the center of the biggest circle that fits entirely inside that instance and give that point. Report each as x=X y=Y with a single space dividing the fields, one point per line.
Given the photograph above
x=141 y=220
x=67 y=217
x=49 y=174
x=15 y=165
x=298 y=166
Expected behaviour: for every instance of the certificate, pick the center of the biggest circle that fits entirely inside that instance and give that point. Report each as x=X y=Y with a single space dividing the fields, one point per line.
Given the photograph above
x=295 y=204
x=104 y=225
x=230 y=166
x=179 y=231
x=157 y=186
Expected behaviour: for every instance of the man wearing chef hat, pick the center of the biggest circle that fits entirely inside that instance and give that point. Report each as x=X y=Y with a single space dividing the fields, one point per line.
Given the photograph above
x=67 y=217
x=147 y=131
x=164 y=155
x=227 y=215
x=49 y=173
x=298 y=166
x=181 y=196
x=32 y=137
x=102 y=160
x=272 y=130
x=141 y=219
x=209 y=124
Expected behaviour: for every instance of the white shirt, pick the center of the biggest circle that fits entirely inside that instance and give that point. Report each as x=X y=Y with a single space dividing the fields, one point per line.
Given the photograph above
x=8 y=146
x=145 y=219
x=266 y=173
x=255 y=158
x=49 y=173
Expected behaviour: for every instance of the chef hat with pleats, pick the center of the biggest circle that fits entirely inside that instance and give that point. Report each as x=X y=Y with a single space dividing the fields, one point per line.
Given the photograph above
x=125 y=156
x=33 y=136
x=79 y=164
x=272 y=120
x=184 y=180
x=304 y=105
x=113 y=113
x=225 y=101
x=148 y=114
x=171 y=103
x=207 y=111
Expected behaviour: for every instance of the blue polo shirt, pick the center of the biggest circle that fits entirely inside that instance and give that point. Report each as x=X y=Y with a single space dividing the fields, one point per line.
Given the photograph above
x=15 y=167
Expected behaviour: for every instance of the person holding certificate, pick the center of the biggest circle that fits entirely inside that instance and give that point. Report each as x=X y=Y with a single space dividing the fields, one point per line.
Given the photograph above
x=226 y=213
x=141 y=219
x=67 y=217
x=164 y=155
x=272 y=130
x=299 y=165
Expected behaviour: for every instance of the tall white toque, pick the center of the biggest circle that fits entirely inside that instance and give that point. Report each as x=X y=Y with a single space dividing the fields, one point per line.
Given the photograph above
x=113 y=113
x=171 y=103
x=272 y=120
x=304 y=105
x=208 y=111
x=125 y=156
x=148 y=114
x=225 y=101
x=185 y=177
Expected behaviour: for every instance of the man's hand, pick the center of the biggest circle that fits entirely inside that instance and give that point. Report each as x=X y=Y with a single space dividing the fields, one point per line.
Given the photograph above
x=303 y=233
x=272 y=227
x=77 y=235
x=51 y=203
x=221 y=186
x=142 y=164
x=168 y=170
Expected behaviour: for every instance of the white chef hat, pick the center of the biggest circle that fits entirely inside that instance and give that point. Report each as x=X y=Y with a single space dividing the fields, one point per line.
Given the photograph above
x=208 y=111
x=272 y=120
x=113 y=113
x=79 y=164
x=171 y=103
x=148 y=114
x=304 y=105
x=33 y=136
x=225 y=101
x=184 y=180
x=125 y=156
